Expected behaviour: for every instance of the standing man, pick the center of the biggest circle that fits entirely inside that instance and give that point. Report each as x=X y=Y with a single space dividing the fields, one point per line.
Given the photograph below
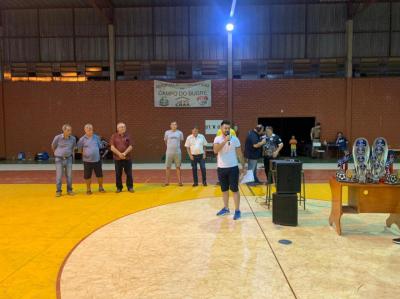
x=232 y=132
x=90 y=145
x=315 y=135
x=173 y=139
x=341 y=143
x=227 y=148
x=63 y=147
x=121 y=146
x=253 y=150
x=196 y=148
x=271 y=148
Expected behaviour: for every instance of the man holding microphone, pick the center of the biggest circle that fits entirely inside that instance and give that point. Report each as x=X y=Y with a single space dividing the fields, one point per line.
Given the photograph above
x=227 y=149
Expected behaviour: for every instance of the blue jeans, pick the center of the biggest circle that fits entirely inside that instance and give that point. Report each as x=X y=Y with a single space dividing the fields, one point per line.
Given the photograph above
x=199 y=159
x=64 y=166
x=252 y=165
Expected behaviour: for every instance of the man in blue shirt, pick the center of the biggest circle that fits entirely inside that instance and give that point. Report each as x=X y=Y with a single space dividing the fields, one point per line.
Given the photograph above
x=90 y=145
x=63 y=146
x=253 y=150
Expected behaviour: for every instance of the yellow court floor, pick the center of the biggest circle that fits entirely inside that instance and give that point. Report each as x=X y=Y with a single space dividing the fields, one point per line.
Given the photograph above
x=37 y=230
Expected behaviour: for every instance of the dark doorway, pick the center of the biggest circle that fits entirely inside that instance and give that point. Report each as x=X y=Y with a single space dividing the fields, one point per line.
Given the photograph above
x=285 y=127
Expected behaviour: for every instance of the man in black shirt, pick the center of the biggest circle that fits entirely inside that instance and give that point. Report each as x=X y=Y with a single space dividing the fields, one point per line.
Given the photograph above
x=252 y=150
x=271 y=148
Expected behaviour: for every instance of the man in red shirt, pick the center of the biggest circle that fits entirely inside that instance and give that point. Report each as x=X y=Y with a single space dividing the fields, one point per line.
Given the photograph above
x=121 y=146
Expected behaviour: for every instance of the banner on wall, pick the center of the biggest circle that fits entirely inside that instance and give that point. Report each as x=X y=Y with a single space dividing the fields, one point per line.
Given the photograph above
x=182 y=95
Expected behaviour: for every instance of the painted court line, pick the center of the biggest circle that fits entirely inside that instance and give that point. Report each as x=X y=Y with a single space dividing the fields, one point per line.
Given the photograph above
x=268 y=242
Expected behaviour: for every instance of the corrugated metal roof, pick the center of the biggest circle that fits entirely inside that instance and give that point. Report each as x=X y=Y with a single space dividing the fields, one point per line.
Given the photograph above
x=17 y=4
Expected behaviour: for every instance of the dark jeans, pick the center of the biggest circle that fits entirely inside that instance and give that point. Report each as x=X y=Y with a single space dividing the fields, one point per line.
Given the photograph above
x=198 y=159
x=266 y=165
x=125 y=165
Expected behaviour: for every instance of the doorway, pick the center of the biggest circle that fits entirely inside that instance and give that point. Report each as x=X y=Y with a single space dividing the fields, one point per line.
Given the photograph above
x=285 y=127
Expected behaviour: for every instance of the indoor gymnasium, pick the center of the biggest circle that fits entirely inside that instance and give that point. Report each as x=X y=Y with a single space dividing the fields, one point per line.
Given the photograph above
x=168 y=149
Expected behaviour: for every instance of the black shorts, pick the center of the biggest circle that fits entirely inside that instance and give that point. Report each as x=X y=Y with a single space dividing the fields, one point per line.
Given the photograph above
x=89 y=167
x=229 y=178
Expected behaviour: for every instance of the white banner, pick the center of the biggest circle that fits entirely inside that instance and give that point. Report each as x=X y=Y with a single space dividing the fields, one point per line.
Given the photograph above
x=182 y=95
x=212 y=126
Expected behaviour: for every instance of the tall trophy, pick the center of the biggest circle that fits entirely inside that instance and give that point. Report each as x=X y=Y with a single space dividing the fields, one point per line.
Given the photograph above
x=378 y=159
x=342 y=174
x=391 y=176
x=361 y=152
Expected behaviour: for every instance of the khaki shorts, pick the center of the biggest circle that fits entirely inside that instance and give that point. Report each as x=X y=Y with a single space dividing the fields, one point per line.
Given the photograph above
x=175 y=158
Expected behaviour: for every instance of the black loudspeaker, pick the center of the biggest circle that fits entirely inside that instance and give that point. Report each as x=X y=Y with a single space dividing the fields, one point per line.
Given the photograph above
x=284 y=209
x=288 y=176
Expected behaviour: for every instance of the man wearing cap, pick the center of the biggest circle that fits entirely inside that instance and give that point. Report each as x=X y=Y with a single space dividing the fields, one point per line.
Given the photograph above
x=253 y=150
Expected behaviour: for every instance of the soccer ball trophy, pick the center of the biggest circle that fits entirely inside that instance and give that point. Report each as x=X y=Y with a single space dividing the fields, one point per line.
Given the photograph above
x=361 y=152
x=378 y=159
x=392 y=177
x=343 y=174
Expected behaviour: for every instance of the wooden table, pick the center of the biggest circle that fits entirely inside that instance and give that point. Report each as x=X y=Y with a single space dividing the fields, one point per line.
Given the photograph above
x=365 y=198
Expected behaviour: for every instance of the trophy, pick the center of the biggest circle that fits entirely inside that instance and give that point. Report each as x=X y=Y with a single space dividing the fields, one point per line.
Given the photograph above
x=361 y=152
x=343 y=174
x=391 y=176
x=379 y=155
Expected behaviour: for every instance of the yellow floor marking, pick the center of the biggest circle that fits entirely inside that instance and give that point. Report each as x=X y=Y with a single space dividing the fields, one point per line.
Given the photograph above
x=37 y=230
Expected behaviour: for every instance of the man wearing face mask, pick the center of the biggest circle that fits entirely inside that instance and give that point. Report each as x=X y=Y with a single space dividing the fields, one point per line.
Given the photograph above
x=227 y=149
x=253 y=150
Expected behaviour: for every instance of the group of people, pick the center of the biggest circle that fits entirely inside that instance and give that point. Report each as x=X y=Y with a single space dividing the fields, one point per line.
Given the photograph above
x=341 y=142
x=226 y=146
x=89 y=145
x=261 y=143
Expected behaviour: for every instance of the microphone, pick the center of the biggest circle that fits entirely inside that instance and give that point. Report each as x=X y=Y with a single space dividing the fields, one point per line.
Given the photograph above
x=227 y=134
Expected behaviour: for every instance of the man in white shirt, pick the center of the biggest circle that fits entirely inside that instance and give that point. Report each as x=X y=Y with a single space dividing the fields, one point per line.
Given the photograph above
x=228 y=152
x=173 y=139
x=196 y=145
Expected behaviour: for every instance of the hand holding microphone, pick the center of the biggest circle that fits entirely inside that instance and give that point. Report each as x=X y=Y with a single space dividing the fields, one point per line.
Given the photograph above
x=228 y=137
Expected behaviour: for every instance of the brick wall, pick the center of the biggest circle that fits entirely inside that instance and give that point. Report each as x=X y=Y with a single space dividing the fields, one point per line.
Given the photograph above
x=36 y=111
x=146 y=123
x=324 y=99
x=376 y=109
x=2 y=137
